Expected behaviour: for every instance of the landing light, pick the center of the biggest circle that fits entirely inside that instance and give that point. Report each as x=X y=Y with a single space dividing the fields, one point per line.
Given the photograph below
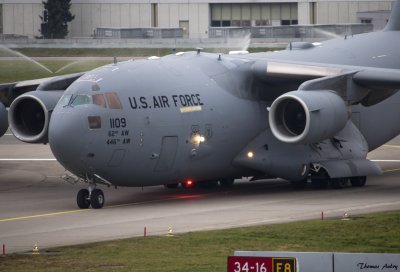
x=197 y=139
x=250 y=154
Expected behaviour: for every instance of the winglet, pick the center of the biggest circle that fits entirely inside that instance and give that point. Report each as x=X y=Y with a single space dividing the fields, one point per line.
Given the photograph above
x=394 y=21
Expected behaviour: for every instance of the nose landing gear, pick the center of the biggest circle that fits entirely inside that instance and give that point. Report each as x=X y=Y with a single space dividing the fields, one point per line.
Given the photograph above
x=92 y=197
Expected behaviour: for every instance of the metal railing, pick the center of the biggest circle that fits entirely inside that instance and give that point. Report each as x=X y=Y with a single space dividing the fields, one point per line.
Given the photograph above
x=293 y=31
x=138 y=33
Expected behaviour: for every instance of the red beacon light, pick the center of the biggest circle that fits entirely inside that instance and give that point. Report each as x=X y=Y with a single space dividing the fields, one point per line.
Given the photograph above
x=188 y=183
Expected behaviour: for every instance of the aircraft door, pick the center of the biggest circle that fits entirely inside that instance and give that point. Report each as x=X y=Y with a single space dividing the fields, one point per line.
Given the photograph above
x=167 y=156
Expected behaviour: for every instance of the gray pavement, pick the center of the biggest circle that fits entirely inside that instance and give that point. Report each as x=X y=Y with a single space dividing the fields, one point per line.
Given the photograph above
x=36 y=206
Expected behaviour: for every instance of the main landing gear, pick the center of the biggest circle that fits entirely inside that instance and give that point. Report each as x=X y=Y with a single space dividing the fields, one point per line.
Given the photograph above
x=320 y=180
x=90 y=197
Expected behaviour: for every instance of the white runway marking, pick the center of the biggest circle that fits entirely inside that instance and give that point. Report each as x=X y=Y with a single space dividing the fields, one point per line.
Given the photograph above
x=385 y=160
x=32 y=159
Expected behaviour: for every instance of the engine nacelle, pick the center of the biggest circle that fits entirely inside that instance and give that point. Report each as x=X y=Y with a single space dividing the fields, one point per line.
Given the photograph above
x=29 y=115
x=3 y=119
x=304 y=117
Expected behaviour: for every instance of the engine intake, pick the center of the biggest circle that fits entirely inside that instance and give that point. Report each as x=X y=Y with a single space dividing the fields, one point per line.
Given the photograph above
x=29 y=115
x=304 y=117
x=3 y=119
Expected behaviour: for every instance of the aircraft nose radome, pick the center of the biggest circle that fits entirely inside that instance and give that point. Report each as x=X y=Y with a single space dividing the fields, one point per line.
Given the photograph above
x=66 y=138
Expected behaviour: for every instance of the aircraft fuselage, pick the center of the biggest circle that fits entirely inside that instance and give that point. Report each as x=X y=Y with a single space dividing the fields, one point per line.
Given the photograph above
x=175 y=121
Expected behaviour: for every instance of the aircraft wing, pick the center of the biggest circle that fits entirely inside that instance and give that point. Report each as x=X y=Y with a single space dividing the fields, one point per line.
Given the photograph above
x=376 y=79
x=366 y=85
x=10 y=91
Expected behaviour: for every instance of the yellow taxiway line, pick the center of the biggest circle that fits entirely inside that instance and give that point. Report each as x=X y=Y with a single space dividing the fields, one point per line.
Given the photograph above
x=86 y=210
x=40 y=215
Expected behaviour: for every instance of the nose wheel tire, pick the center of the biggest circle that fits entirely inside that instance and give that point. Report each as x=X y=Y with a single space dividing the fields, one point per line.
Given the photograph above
x=82 y=199
x=97 y=199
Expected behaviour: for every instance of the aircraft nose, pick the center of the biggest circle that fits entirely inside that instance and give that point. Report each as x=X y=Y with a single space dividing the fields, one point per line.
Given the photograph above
x=66 y=134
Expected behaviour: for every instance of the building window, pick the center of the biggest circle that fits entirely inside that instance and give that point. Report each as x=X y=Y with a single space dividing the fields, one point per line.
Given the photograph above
x=246 y=23
x=154 y=15
x=262 y=22
x=366 y=21
x=215 y=23
x=253 y=14
x=235 y=23
x=226 y=23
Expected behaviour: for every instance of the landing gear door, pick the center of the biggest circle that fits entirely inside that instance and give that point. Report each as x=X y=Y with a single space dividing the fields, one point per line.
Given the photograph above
x=167 y=156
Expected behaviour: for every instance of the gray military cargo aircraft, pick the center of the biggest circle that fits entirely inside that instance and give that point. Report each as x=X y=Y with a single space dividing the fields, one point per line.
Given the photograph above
x=309 y=113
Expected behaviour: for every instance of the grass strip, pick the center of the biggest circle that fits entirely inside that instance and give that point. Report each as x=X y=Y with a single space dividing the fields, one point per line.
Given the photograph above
x=17 y=70
x=208 y=251
x=117 y=52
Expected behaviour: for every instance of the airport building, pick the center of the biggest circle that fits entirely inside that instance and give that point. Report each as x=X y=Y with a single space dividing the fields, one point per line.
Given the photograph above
x=194 y=18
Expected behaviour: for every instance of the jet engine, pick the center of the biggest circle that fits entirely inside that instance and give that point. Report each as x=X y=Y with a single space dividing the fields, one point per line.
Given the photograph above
x=304 y=117
x=3 y=120
x=29 y=115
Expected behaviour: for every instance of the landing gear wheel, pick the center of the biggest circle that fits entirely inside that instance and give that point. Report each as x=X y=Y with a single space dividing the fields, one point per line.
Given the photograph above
x=339 y=183
x=320 y=179
x=82 y=199
x=358 y=181
x=226 y=182
x=97 y=199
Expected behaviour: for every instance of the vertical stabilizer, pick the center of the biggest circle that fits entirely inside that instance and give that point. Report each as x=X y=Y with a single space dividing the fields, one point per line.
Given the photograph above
x=394 y=21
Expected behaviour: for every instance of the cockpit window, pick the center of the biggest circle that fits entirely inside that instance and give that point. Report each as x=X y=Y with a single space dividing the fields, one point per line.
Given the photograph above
x=64 y=101
x=81 y=99
x=99 y=100
x=113 y=101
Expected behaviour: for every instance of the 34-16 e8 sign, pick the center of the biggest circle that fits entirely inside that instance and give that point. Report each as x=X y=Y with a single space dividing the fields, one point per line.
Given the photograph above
x=261 y=264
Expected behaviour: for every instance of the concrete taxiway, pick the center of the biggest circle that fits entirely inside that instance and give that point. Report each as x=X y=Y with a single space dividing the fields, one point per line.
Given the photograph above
x=37 y=206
